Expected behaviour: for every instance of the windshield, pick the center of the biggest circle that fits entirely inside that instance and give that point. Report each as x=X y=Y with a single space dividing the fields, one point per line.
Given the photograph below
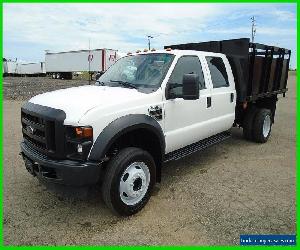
x=139 y=71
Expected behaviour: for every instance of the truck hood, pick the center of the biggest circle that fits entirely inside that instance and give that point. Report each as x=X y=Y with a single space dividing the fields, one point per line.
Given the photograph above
x=77 y=101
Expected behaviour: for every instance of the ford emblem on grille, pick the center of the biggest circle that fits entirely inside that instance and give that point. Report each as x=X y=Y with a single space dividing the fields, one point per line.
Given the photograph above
x=30 y=129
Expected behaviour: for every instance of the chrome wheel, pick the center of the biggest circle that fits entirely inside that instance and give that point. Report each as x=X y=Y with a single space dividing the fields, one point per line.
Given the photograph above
x=134 y=183
x=266 y=126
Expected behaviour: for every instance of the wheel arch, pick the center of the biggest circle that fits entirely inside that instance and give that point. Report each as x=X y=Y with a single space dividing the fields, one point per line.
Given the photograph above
x=129 y=130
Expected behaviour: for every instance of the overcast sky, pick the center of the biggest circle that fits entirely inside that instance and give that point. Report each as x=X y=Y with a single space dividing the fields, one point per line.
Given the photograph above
x=30 y=29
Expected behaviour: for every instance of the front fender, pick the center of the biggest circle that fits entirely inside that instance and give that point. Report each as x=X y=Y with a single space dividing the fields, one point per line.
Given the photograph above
x=121 y=126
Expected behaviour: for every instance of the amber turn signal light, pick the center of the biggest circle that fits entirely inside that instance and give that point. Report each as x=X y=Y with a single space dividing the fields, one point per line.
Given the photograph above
x=84 y=132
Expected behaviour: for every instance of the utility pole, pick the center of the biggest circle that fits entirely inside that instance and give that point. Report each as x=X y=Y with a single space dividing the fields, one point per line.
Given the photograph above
x=253 y=29
x=149 y=43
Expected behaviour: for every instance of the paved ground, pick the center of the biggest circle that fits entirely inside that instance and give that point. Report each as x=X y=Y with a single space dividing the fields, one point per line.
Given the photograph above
x=209 y=198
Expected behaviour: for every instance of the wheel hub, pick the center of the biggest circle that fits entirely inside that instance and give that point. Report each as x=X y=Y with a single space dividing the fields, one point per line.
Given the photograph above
x=134 y=183
x=266 y=126
x=137 y=184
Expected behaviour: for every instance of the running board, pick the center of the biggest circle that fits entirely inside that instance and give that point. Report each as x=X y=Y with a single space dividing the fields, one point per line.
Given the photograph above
x=197 y=146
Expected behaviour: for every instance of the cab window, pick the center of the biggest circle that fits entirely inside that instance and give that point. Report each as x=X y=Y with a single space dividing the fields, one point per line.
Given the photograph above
x=218 y=72
x=186 y=65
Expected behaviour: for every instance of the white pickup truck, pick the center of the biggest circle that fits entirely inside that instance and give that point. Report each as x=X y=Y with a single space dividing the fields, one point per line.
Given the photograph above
x=149 y=108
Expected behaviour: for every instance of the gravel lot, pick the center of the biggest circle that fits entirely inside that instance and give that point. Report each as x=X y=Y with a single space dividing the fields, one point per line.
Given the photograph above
x=209 y=198
x=22 y=88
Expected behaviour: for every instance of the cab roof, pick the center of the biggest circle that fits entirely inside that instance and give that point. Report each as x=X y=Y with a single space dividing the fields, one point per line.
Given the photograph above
x=178 y=52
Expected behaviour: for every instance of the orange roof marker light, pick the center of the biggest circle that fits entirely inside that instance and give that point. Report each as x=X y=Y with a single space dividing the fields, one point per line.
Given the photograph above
x=153 y=49
x=168 y=49
x=145 y=50
x=138 y=51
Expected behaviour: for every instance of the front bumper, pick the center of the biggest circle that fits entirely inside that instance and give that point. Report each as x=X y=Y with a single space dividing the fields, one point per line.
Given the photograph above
x=65 y=172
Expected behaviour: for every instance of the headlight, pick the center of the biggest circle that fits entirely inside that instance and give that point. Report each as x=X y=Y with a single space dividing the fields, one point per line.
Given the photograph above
x=79 y=141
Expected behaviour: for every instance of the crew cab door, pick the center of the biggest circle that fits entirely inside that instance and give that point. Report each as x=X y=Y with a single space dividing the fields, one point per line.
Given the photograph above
x=187 y=121
x=223 y=94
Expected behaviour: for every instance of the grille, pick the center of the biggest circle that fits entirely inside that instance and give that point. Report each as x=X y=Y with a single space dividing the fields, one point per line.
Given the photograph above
x=38 y=132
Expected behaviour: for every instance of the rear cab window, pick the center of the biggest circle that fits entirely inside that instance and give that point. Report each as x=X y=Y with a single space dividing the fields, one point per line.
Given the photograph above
x=219 y=76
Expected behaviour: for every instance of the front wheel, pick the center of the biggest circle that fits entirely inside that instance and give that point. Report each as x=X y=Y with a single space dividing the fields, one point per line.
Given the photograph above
x=128 y=182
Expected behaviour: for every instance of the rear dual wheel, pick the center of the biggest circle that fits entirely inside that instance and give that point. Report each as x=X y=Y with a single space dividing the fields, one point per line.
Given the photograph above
x=257 y=125
x=248 y=123
x=262 y=126
x=56 y=76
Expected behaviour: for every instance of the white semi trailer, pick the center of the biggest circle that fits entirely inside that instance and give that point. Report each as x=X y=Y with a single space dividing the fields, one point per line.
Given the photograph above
x=10 y=68
x=64 y=64
x=13 y=68
x=4 y=67
x=31 y=69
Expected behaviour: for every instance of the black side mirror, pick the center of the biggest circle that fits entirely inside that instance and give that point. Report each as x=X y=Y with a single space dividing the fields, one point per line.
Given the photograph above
x=169 y=90
x=190 y=88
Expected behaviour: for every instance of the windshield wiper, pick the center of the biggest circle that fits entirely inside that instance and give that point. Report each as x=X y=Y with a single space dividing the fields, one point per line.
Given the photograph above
x=125 y=84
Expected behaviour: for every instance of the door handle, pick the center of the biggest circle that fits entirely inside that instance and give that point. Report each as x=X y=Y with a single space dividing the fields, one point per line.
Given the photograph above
x=208 y=101
x=231 y=97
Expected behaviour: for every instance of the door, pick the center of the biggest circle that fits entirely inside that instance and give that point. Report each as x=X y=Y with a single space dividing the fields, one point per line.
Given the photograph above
x=186 y=121
x=223 y=94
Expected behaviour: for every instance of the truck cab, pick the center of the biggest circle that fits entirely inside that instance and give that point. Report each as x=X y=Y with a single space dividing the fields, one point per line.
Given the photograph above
x=146 y=109
x=188 y=120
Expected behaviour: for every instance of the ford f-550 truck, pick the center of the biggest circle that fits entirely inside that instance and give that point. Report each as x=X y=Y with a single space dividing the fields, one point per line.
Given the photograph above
x=149 y=108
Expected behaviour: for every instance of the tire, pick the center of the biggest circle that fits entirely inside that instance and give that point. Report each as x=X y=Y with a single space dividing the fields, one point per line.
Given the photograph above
x=130 y=166
x=262 y=126
x=248 y=123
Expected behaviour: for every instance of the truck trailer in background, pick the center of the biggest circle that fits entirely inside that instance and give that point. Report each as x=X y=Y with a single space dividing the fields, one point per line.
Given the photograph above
x=14 y=68
x=9 y=68
x=31 y=69
x=4 y=67
x=64 y=64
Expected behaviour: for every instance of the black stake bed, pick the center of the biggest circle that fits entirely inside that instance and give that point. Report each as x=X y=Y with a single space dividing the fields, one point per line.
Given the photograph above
x=259 y=70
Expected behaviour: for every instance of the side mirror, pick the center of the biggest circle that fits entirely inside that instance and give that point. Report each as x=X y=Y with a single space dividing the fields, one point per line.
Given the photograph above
x=169 y=91
x=190 y=88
